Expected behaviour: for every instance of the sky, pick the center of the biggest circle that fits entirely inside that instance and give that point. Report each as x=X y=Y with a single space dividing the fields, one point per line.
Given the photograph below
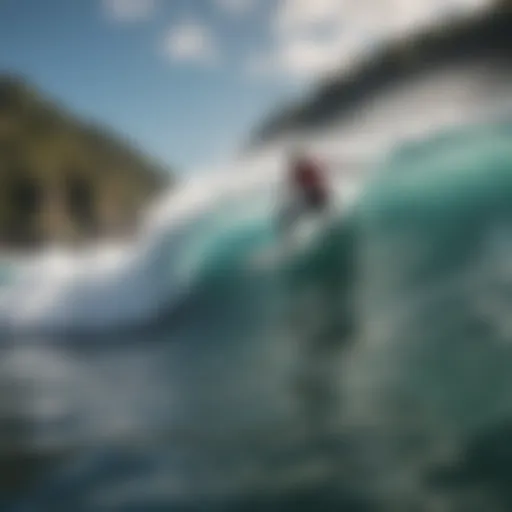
x=187 y=80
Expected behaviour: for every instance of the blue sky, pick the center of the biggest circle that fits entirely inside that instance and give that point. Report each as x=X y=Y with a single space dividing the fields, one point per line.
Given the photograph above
x=188 y=79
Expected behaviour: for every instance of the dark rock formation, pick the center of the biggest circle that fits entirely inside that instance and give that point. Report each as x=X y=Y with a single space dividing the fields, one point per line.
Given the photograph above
x=62 y=180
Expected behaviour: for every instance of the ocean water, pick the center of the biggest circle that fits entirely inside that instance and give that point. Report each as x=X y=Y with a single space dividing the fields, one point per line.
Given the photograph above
x=365 y=369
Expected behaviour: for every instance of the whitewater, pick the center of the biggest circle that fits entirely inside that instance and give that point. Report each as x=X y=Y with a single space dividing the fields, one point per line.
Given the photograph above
x=180 y=241
x=121 y=285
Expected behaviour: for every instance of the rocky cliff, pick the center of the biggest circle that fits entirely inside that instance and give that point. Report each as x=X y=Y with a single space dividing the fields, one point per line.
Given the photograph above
x=64 y=180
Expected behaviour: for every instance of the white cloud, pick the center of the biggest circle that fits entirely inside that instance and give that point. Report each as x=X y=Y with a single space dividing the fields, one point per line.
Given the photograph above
x=236 y=7
x=315 y=37
x=192 y=42
x=312 y=57
x=130 y=10
x=297 y=15
x=383 y=16
x=307 y=58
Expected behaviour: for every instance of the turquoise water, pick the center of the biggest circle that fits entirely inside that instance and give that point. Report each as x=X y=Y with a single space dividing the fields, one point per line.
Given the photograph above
x=369 y=371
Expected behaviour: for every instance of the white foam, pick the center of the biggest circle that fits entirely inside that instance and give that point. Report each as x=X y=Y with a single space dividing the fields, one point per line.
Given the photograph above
x=118 y=284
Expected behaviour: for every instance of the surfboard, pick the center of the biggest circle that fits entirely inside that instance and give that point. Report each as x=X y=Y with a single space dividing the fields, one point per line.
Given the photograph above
x=299 y=239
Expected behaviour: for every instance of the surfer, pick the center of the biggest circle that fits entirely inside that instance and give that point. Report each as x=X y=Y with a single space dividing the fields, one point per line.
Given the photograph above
x=307 y=187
